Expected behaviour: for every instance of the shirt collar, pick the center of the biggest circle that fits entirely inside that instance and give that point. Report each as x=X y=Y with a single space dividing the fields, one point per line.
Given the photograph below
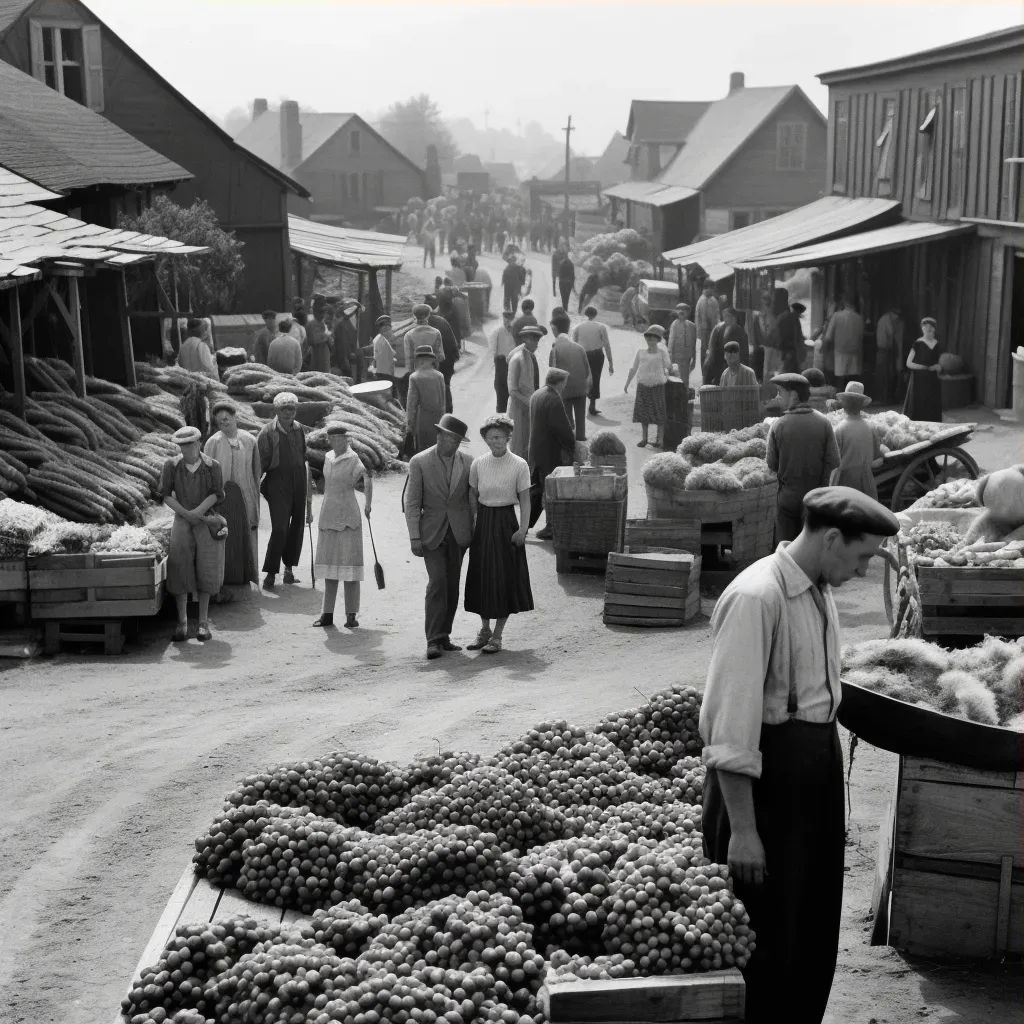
x=794 y=578
x=277 y=426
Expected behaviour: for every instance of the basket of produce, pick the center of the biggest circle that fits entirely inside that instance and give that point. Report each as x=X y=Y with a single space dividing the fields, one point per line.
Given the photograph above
x=916 y=698
x=585 y=483
x=733 y=408
x=608 y=451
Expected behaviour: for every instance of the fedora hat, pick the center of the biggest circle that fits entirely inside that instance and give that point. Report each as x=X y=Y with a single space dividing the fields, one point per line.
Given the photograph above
x=853 y=395
x=453 y=425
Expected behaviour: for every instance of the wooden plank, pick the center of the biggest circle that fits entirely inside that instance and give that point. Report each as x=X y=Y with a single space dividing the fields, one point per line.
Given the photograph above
x=995 y=148
x=76 y=336
x=617 y=604
x=97 y=610
x=202 y=904
x=973 y=145
x=993 y=324
x=669 y=579
x=104 y=576
x=168 y=920
x=911 y=119
x=127 y=348
x=233 y=904
x=974 y=587
x=966 y=573
x=1003 y=905
x=17 y=351
x=715 y=996
x=985 y=142
x=942 y=625
x=614 y=586
x=624 y=620
x=964 y=823
x=922 y=769
x=681 y=562
x=882 y=886
x=946 y=915
x=947 y=600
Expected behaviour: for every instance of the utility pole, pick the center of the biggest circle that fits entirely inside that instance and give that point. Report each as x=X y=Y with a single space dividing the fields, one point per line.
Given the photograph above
x=486 y=114
x=568 y=129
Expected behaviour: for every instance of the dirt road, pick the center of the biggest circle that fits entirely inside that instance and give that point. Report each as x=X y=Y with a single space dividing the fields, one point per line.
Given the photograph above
x=113 y=766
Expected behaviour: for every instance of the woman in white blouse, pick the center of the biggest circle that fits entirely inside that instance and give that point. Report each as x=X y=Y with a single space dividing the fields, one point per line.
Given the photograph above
x=651 y=369
x=498 y=578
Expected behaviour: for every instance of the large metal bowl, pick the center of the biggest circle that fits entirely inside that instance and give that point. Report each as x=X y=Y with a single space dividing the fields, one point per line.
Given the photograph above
x=921 y=732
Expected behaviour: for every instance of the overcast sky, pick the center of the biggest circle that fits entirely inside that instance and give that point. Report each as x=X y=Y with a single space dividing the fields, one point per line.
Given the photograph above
x=531 y=60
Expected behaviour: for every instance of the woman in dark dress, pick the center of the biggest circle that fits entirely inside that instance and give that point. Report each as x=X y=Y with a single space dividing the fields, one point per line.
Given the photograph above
x=924 y=395
x=498 y=578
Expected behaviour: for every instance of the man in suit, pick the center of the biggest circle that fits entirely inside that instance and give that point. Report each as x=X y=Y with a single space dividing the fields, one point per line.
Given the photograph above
x=552 y=440
x=440 y=522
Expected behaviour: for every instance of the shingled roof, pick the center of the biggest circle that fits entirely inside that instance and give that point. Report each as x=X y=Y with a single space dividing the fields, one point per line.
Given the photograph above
x=63 y=145
x=663 y=120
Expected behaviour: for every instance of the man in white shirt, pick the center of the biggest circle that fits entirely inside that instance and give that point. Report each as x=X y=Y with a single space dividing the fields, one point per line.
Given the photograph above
x=421 y=333
x=523 y=380
x=592 y=336
x=502 y=344
x=285 y=354
x=195 y=354
x=706 y=316
x=682 y=342
x=773 y=805
x=845 y=332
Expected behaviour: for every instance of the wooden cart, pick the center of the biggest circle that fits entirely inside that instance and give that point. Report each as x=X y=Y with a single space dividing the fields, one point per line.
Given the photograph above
x=905 y=475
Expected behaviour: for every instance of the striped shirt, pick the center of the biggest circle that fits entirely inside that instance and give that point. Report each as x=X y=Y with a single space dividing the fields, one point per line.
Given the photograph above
x=499 y=481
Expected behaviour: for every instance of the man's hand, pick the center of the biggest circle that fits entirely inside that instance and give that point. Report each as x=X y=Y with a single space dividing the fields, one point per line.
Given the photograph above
x=309 y=513
x=746 y=858
x=417 y=548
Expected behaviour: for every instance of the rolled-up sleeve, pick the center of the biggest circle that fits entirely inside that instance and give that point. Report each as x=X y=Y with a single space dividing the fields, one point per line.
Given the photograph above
x=743 y=625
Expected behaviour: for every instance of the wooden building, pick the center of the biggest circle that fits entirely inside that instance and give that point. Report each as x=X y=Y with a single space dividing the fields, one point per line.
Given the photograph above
x=99 y=70
x=750 y=156
x=940 y=131
x=353 y=173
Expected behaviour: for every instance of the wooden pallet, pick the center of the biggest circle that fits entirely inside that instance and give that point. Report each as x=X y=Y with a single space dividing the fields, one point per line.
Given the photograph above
x=950 y=869
x=195 y=901
x=971 y=601
x=57 y=632
x=717 y=997
x=96 y=586
x=652 y=588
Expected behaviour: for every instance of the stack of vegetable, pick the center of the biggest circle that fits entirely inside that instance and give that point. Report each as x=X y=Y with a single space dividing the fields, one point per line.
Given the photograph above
x=714 y=462
x=893 y=430
x=606 y=442
x=981 y=683
x=452 y=888
x=942 y=544
x=952 y=494
x=616 y=257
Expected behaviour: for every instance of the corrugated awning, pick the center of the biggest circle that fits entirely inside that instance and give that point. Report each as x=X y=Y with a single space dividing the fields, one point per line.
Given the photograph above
x=649 y=193
x=896 y=236
x=825 y=218
x=345 y=247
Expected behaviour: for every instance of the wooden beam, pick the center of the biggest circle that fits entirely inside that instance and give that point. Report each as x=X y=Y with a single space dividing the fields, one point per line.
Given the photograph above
x=17 y=353
x=86 y=323
x=387 y=291
x=151 y=314
x=76 y=336
x=175 y=322
x=121 y=287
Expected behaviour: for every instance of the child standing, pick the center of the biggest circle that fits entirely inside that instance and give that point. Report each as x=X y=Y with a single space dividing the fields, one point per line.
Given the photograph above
x=858 y=446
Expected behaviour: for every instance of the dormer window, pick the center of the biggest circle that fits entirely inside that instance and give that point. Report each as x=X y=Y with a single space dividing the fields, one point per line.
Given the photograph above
x=69 y=59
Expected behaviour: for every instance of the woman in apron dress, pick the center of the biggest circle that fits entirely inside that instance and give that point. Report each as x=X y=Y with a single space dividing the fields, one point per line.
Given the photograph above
x=339 y=549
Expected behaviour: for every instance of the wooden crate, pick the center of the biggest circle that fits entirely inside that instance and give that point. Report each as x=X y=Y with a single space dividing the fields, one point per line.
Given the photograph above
x=14 y=587
x=594 y=483
x=586 y=527
x=195 y=901
x=645 y=534
x=971 y=601
x=96 y=586
x=743 y=521
x=615 y=462
x=949 y=876
x=716 y=997
x=652 y=589
x=724 y=409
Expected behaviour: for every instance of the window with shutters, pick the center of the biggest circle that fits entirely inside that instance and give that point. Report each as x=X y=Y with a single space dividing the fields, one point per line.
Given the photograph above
x=790 y=145
x=957 y=151
x=885 y=148
x=354 y=142
x=925 y=169
x=840 y=144
x=69 y=59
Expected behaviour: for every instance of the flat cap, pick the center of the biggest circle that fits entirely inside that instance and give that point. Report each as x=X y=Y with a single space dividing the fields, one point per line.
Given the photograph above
x=556 y=375
x=223 y=405
x=790 y=380
x=851 y=510
x=533 y=329
x=283 y=398
x=731 y=346
x=336 y=428
x=186 y=435
x=381 y=320
x=420 y=309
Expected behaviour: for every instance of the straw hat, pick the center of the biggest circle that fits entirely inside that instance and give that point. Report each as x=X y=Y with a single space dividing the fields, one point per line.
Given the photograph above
x=853 y=396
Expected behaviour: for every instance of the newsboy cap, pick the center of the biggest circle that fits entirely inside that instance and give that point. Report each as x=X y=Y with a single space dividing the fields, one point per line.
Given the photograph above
x=790 y=380
x=851 y=510
x=186 y=435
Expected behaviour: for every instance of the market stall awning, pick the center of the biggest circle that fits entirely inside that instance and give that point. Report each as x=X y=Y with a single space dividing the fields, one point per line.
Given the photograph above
x=345 y=247
x=896 y=236
x=825 y=218
x=649 y=193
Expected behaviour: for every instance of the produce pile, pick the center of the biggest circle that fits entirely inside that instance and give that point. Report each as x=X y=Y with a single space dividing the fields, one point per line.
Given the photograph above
x=952 y=494
x=616 y=257
x=706 y=447
x=894 y=430
x=28 y=530
x=981 y=683
x=606 y=442
x=941 y=544
x=451 y=888
x=672 y=471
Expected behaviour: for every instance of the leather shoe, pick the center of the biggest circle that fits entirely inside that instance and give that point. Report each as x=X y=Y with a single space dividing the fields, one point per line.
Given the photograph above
x=434 y=651
x=447 y=645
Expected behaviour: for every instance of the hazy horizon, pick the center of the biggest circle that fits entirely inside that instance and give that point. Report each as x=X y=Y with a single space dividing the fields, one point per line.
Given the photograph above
x=507 y=65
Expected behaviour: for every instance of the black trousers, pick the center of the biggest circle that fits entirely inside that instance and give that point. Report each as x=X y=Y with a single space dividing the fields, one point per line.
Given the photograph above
x=585 y=297
x=511 y=302
x=444 y=572
x=286 y=496
x=565 y=289
x=596 y=359
x=800 y=811
x=537 y=478
x=447 y=374
x=501 y=383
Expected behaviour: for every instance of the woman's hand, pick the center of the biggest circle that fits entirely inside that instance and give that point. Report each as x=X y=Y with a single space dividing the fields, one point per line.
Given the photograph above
x=366 y=510
x=935 y=368
x=195 y=518
x=519 y=537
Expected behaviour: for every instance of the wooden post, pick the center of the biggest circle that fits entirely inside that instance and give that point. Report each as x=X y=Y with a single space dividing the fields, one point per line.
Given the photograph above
x=387 y=291
x=17 y=353
x=121 y=287
x=76 y=336
x=175 y=324
x=86 y=332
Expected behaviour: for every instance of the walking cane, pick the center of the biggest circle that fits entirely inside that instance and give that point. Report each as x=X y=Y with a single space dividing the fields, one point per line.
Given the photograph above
x=312 y=556
x=378 y=569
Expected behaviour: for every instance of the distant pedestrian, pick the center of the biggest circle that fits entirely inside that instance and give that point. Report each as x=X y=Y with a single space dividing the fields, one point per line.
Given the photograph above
x=421 y=333
x=523 y=381
x=287 y=486
x=728 y=330
x=440 y=522
x=706 y=316
x=857 y=442
x=429 y=236
x=682 y=343
x=525 y=319
x=264 y=336
x=552 y=441
x=502 y=344
x=736 y=374
x=384 y=352
x=590 y=288
x=924 y=394
x=347 y=356
x=426 y=402
x=764 y=359
x=592 y=335
x=285 y=354
x=317 y=349
x=556 y=262
x=889 y=357
x=570 y=356
x=194 y=354
x=791 y=337
x=513 y=278
x=455 y=272
x=445 y=319
x=652 y=368
x=566 y=280
x=845 y=333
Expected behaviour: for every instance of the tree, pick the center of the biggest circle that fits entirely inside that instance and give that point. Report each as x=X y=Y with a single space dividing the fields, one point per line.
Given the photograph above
x=416 y=124
x=207 y=281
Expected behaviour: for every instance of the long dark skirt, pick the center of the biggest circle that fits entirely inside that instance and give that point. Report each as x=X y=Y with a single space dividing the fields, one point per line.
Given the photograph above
x=239 y=554
x=800 y=812
x=498 y=578
x=924 y=397
x=649 y=406
x=596 y=360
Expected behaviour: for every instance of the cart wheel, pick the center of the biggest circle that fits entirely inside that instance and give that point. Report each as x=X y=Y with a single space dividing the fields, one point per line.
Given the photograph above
x=927 y=471
x=891 y=578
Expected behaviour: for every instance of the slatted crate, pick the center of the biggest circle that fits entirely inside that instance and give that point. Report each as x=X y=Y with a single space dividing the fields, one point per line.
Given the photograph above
x=950 y=878
x=716 y=997
x=96 y=586
x=14 y=587
x=971 y=601
x=652 y=589
x=657 y=534
x=584 y=532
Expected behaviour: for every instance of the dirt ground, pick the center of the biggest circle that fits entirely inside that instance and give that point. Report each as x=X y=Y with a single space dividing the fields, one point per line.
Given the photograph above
x=114 y=766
